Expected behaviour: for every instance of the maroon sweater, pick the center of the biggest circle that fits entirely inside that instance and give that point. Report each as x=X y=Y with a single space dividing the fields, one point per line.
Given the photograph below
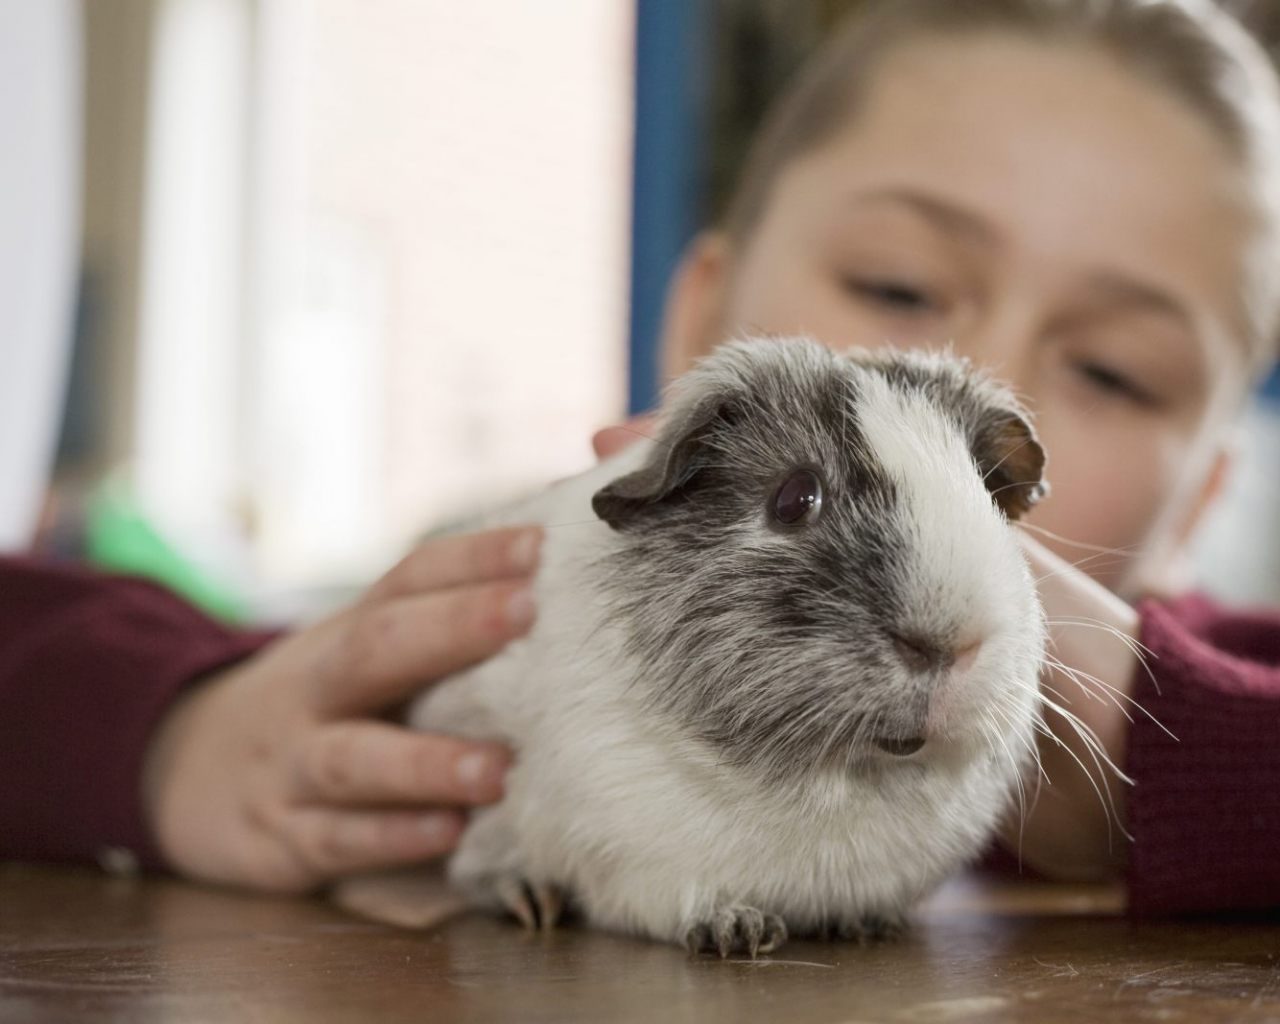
x=88 y=665
x=1205 y=810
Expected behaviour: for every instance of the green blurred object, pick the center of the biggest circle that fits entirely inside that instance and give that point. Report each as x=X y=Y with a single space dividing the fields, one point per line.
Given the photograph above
x=119 y=538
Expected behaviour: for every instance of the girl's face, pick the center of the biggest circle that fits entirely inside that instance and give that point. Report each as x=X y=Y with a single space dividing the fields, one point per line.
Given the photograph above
x=1052 y=216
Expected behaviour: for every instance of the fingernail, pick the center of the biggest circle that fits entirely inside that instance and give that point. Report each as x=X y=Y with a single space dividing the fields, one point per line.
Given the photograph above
x=479 y=771
x=524 y=550
x=438 y=828
x=520 y=608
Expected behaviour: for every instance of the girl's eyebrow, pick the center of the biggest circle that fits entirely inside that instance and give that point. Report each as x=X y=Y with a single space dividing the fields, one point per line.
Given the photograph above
x=947 y=215
x=1117 y=289
x=1114 y=287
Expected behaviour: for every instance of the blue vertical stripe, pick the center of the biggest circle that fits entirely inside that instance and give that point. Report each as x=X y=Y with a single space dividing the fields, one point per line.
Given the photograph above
x=1271 y=387
x=670 y=111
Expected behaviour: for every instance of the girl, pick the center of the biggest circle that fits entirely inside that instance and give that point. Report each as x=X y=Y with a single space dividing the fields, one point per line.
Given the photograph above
x=1081 y=196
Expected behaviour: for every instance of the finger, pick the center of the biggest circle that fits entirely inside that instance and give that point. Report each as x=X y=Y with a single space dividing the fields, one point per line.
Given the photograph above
x=373 y=762
x=331 y=843
x=377 y=655
x=460 y=560
x=612 y=440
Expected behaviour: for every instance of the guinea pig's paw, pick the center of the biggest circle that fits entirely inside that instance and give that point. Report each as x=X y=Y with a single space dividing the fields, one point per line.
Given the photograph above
x=536 y=905
x=736 y=929
x=867 y=929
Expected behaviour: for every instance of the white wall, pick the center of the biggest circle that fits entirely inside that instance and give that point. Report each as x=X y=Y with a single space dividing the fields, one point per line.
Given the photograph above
x=39 y=244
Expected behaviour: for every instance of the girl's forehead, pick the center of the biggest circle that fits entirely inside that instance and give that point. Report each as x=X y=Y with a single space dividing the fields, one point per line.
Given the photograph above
x=1054 y=156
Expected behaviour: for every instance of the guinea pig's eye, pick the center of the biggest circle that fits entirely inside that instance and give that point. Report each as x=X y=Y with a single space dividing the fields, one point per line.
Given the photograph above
x=798 y=500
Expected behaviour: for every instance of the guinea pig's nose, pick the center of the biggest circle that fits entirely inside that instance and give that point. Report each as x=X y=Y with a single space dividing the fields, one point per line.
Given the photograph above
x=921 y=654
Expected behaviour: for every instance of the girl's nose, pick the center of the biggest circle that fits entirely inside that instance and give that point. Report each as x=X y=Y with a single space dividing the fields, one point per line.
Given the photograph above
x=1004 y=342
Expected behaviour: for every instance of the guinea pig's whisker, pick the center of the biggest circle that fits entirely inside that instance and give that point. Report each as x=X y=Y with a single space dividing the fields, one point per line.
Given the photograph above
x=1121 y=555
x=576 y=522
x=871 y=726
x=851 y=725
x=639 y=433
x=864 y=727
x=792 y=735
x=1097 y=753
x=1082 y=729
x=1006 y=716
x=988 y=719
x=1136 y=647
x=1047 y=688
x=1032 y=750
x=655 y=437
x=1099 y=561
x=1008 y=455
x=1111 y=691
x=1094 y=561
x=1041 y=774
x=1105 y=799
x=1009 y=487
x=1022 y=525
x=1088 y=622
x=991 y=733
x=1080 y=677
x=851 y=750
x=1036 y=758
x=844 y=722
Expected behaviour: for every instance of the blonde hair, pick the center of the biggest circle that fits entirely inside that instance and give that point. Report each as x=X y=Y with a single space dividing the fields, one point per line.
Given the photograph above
x=1190 y=47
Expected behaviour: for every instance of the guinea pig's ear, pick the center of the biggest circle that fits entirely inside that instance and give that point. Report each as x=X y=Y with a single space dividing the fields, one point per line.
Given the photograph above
x=675 y=459
x=1010 y=459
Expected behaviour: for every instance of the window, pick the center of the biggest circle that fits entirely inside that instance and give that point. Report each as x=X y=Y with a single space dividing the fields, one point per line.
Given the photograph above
x=385 y=268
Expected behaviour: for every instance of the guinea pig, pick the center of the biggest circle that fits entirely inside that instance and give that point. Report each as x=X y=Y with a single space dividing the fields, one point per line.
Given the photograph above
x=784 y=674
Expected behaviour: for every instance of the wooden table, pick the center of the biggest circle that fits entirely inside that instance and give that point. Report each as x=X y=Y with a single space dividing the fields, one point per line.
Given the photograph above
x=78 y=945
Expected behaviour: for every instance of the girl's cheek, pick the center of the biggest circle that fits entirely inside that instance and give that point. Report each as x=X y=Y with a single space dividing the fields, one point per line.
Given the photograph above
x=1106 y=492
x=800 y=304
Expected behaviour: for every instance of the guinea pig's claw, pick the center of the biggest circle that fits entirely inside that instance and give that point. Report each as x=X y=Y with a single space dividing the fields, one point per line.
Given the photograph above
x=536 y=905
x=737 y=929
x=871 y=928
x=515 y=897
x=550 y=900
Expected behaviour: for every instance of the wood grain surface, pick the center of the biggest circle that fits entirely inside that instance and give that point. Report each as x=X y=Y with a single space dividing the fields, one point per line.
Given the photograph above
x=78 y=945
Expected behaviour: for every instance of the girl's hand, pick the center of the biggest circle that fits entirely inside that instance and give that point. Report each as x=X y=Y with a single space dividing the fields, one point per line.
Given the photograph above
x=1074 y=826
x=279 y=774
x=612 y=440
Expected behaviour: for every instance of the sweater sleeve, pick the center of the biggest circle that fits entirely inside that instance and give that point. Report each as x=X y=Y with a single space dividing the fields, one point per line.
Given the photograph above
x=88 y=665
x=1205 y=809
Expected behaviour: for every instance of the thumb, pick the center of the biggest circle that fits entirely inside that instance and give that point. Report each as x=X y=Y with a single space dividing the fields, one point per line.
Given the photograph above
x=612 y=440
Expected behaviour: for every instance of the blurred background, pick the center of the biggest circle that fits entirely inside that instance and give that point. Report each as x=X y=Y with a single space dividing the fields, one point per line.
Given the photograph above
x=343 y=270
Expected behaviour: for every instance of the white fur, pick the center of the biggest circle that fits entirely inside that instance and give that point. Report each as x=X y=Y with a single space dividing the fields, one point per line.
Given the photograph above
x=641 y=823
x=970 y=576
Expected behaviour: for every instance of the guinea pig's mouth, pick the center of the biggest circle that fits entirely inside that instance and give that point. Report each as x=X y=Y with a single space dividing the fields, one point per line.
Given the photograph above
x=899 y=746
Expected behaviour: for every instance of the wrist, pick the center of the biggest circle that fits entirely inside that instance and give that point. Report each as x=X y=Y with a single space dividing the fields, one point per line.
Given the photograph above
x=168 y=780
x=1074 y=825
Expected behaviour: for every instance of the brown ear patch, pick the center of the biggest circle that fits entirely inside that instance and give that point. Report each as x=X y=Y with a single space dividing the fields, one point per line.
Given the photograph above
x=1011 y=461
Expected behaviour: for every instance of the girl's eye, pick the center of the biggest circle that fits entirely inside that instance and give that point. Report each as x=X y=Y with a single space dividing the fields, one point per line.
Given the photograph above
x=1113 y=382
x=798 y=500
x=898 y=296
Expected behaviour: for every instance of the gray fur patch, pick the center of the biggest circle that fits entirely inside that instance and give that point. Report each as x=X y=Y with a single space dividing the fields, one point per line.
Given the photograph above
x=774 y=644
